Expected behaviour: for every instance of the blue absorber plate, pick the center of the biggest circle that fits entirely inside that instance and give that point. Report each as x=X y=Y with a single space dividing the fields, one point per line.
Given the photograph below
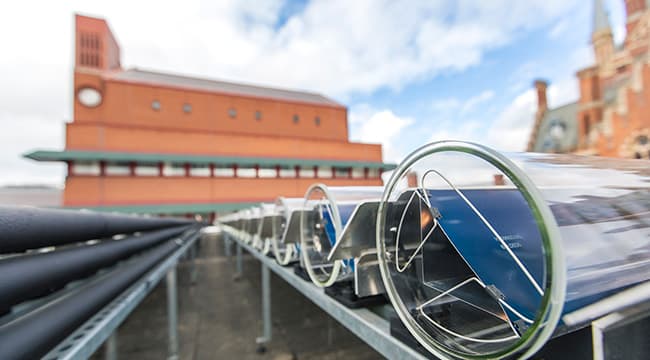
x=345 y=212
x=510 y=216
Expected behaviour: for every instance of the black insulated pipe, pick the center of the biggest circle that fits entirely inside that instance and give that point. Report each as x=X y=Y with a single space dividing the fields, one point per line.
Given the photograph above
x=33 y=275
x=23 y=228
x=34 y=334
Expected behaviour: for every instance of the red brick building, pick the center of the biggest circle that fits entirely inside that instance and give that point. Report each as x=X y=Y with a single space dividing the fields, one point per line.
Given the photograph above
x=612 y=116
x=158 y=142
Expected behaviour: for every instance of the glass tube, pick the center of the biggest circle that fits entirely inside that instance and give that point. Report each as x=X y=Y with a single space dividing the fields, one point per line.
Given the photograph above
x=246 y=225
x=284 y=249
x=265 y=231
x=327 y=211
x=255 y=220
x=482 y=254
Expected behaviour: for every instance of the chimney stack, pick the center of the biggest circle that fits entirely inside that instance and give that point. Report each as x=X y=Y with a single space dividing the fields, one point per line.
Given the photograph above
x=542 y=106
x=634 y=10
x=412 y=179
x=634 y=7
x=542 y=103
x=499 y=180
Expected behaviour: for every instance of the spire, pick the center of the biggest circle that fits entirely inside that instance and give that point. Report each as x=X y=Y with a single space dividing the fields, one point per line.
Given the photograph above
x=602 y=37
x=601 y=21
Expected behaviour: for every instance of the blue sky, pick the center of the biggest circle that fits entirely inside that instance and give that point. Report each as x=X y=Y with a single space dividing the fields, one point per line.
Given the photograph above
x=467 y=104
x=410 y=72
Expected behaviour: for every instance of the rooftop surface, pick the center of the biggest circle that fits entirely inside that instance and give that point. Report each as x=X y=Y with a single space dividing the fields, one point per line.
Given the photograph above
x=188 y=82
x=219 y=318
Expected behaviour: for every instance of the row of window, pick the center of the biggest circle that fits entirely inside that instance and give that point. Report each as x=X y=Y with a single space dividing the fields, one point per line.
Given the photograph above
x=90 y=41
x=91 y=59
x=125 y=169
x=90 y=45
x=232 y=112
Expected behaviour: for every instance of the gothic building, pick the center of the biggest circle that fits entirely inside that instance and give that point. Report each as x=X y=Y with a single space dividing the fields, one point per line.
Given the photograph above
x=612 y=116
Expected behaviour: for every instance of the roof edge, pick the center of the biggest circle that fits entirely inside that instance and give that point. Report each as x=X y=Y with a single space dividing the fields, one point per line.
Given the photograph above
x=265 y=162
x=113 y=76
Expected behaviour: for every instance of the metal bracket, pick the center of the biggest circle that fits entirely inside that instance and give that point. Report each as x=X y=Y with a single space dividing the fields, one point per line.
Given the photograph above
x=495 y=292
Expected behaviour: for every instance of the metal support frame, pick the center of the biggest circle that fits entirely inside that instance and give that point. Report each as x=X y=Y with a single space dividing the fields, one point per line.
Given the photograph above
x=369 y=326
x=172 y=313
x=238 y=261
x=227 y=244
x=267 y=330
x=84 y=341
x=600 y=327
x=110 y=347
x=194 y=273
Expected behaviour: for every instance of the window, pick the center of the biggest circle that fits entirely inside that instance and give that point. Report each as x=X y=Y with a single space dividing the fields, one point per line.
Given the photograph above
x=173 y=169
x=324 y=172
x=89 y=97
x=296 y=118
x=258 y=115
x=118 y=168
x=187 y=108
x=317 y=120
x=232 y=112
x=557 y=130
x=224 y=171
x=358 y=173
x=306 y=172
x=246 y=172
x=86 y=168
x=200 y=170
x=342 y=172
x=155 y=105
x=373 y=173
x=266 y=173
x=288 y=173
x=146 y=170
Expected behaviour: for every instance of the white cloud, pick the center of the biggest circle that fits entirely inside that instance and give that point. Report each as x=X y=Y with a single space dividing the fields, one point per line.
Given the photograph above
x=460 y=107
x=563 y=92
x=338 y=47
x=465 y=131
x=522 y=77
x=559 y=28
x=617 y=18
x=511 y=129
x=508 y=131
x=445 y=105
x=379 y=127
x=580 y=58
x=36 y=131
x=471 y=104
